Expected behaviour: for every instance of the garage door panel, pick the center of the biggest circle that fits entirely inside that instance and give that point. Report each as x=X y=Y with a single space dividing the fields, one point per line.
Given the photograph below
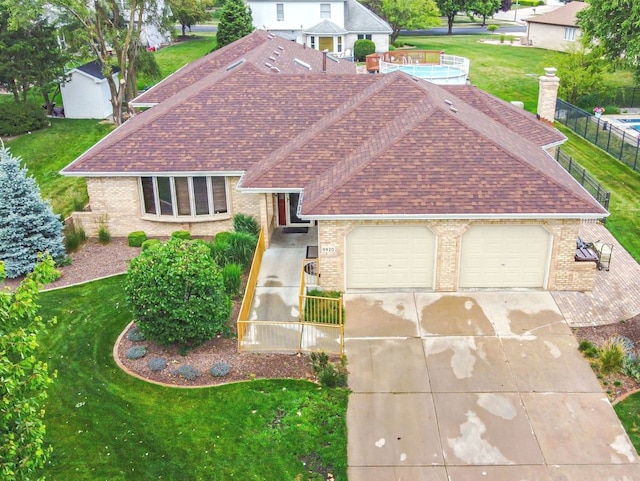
x=504 y=256
x=390 y=257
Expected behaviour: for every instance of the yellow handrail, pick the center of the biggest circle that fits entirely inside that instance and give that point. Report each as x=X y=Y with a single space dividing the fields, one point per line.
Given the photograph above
x=250 y=290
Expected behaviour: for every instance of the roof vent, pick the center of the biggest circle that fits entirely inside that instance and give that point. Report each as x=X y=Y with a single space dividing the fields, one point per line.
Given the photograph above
x=235 y=64
x=276 y=52
x=275 y=69
x=302 y=64
x=281 y=48
x=448 y=102
x=453 y=109
x=272 y=58
x=271 y=36
x=331 y=57
x=268 y=64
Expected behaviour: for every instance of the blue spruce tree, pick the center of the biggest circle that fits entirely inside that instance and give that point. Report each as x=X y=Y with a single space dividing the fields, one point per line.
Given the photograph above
x=28 y=225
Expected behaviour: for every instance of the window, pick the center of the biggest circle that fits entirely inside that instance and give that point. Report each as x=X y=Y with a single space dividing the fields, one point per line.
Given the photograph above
x=364 y=37
x=325 y=10
x=339 y=44
x=570 y=34
x=183 y=196
x=280 y=12
x=312 y=42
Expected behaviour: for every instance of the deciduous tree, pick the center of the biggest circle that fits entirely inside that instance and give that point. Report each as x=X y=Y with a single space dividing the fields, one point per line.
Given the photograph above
x=409 y=14
x=450 y=8
x=614 y=26
x=28 y=226
x=580 y=71
x=176 y=293
x=483 y=8
x=25 y=379
x=187 y=13
x=235 y=22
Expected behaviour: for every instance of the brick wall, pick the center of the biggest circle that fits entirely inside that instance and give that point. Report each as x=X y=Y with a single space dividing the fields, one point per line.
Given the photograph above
x=116 y=202
x=564 y=272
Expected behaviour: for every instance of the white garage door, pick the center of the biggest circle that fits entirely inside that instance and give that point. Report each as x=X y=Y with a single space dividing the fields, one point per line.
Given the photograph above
x=390 y=257
x=504 y=256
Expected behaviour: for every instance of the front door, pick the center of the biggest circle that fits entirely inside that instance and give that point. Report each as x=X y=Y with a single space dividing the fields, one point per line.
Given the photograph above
x=287 y=210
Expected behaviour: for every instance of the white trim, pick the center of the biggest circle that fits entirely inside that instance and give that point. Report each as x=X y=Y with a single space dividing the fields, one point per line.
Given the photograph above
x=455 y=216
x=185 y=173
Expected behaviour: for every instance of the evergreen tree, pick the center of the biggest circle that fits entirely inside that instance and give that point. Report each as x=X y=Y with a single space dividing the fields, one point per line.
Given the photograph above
x=235 y=22
x=28 y=225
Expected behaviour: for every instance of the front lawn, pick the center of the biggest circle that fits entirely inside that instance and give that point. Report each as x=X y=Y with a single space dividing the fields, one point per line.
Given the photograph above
x=105 y=424
x=629 y=413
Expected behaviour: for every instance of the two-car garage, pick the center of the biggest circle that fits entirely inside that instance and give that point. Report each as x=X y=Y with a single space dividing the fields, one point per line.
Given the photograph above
x=489 y=256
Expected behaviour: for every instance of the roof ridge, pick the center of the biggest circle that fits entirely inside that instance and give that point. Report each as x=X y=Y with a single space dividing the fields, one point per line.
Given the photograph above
x=312 y=131
x=343 y=171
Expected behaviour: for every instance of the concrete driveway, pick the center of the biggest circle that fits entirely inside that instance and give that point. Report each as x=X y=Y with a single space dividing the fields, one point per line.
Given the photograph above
x=477 y=386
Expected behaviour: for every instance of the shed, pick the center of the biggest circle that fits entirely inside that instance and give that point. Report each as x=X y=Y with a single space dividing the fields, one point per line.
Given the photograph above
x=86 y=94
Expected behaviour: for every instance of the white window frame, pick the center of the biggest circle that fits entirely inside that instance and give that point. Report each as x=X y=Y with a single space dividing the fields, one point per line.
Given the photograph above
x=570 y=34
x=174 y=199
x=325 y=10
x=280 y=12
x=364 y=36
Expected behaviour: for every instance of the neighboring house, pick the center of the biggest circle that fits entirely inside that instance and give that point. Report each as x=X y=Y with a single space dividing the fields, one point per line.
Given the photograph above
x=557 y=29
x=321 y=24
x=411 y=185
x=86 y=94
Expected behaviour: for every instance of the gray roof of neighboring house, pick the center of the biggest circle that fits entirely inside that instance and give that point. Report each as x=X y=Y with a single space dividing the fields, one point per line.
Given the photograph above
x=94 y=70
x=359 y=19
x=563 y=16
x=326 y=27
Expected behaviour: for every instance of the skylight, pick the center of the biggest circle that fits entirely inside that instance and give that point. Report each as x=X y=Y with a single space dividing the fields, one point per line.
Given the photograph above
x=235 y=64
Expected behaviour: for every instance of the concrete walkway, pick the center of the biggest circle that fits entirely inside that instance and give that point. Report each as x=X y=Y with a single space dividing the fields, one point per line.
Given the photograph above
x=488 y=385
x=616 y=295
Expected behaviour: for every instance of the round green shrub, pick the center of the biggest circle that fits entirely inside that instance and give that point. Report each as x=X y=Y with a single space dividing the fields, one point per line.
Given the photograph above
x=187 y=371
x=492 y=28
x=220 y=369
x=181 y=234
x=134 y=335
x=362 y=48
x=222 y=238
x=20 y=118
x=157 y=364
x=176 y=293
x=135 y=239
x=149 y=243
x=136 y=352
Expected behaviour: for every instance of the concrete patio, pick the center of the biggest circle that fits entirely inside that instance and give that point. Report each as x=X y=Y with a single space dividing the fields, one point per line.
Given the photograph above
x=485 y=385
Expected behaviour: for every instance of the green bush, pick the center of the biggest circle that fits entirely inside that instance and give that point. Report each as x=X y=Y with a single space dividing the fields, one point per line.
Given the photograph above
x=529 y=3
x=588 y=349
x=74 y=236
x=134 y=335
x=19 y=118
x=149 y=243
x=612 y=355
x=157 y=364
x=135 y=239
x=104 y=236
x=362 y=48
x=176 y=293
x=187 y=371
x=246 y=223
x=222 y=238
x=329 y=375
x=318 y=310
x=232 y=275
x=220 y=369
x=241 y=248
x=492 y=28
x=181 y=234
x=136 y=352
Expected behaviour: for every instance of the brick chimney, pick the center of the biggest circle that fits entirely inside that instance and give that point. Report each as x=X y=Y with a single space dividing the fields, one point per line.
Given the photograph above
x=547 y=95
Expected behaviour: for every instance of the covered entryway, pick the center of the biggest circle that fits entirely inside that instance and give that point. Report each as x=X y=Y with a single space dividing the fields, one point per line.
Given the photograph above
x=508 y=256
x=383 y=257
x=288 y=210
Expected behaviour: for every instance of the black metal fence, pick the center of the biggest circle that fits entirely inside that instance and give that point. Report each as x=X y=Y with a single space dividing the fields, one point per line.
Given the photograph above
x=618 y=143
x=581 y=175
x=622 y=97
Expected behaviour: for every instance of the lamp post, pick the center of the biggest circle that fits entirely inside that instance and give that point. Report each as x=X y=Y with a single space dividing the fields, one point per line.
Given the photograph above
x=515 y=13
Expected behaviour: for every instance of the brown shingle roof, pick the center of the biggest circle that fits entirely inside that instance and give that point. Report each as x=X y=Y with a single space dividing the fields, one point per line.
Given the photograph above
x=267 y=52
x=372 y=145
x=563 y=16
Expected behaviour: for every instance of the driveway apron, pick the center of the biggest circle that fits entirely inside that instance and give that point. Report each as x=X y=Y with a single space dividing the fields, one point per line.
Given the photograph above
x=482 y=385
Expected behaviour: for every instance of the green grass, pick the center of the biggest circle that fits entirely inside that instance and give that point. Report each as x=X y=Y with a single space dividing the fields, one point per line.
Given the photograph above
x=620 y=180
x=105 y=424
x=46 y=151
x=629 y=413
x=510 y=73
